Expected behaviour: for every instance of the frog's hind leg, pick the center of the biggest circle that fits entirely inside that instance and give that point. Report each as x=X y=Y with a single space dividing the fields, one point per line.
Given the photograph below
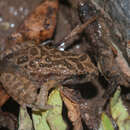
x=25 y=92
x=43 y=95
x=19 y=88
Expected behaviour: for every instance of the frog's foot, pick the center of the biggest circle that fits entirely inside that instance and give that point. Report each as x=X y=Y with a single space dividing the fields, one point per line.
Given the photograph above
x=43 y=95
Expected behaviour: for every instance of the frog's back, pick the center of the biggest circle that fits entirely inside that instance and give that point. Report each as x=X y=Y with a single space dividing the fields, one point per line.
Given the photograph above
x=44 y=61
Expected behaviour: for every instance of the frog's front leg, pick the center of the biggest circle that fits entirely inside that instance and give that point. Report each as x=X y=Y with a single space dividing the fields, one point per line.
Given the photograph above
x=43 y=95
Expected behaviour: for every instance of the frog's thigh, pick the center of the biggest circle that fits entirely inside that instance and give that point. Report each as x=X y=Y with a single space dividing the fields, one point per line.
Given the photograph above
x=20 y=88
x=43 y=94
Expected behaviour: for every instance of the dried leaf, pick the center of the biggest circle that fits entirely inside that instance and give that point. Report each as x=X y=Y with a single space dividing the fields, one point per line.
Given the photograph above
x=73 y=112
x=39 y=25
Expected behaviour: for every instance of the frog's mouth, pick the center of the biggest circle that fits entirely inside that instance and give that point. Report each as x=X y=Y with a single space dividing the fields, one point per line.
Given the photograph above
x=77 y=79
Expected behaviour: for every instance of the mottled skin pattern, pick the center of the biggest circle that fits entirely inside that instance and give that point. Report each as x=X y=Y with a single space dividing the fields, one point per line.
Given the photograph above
x=28 y=72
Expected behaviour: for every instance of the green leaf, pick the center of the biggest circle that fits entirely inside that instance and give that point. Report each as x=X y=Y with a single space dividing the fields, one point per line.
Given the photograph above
x=25 y=123
x=52 y=118
x=106 y=123
x=119 y=112
x=39 y=120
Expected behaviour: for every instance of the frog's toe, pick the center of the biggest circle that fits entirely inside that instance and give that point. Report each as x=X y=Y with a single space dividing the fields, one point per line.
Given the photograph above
x=42 y=107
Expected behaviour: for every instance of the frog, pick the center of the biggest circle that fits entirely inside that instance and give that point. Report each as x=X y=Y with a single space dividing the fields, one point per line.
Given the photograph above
x=28 y=72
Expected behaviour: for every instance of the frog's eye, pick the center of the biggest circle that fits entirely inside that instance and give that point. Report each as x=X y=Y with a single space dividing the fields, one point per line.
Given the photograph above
x=22 y=59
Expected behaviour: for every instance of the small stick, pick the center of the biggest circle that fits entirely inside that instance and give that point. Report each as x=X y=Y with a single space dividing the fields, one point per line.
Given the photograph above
x=77 y=30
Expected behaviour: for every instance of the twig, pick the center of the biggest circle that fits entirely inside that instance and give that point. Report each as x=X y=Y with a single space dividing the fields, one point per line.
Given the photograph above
x=67 y=40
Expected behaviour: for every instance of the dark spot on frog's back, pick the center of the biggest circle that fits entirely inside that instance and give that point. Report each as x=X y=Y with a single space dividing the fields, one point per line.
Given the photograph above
x=83 y=57
x=68 y=65
x=32 y=64
x=80 y=66
x=75 y=60
x=33 y=51
x=22 y=59
x=45 y=65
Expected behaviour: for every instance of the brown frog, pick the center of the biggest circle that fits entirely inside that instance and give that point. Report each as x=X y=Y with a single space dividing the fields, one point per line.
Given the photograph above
x=28 y=72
